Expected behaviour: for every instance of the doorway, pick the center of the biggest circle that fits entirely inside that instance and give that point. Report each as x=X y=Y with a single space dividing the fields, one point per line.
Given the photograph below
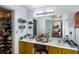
x=6 y=31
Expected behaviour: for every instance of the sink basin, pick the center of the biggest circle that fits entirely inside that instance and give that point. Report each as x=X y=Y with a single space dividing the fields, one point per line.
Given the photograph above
x=58 y=42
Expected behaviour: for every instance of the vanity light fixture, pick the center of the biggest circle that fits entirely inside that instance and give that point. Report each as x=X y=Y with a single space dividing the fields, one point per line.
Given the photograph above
x=44 y=12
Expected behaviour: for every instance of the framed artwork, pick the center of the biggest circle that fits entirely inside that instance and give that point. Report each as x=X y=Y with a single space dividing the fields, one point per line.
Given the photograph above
x=57 y=29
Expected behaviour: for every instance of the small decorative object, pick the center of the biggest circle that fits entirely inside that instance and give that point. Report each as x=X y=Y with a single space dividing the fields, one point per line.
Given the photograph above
x=21 y=38
x=30 y=27
x=41 y=38
x=25 y=36
x=21 y=20
x=31 y=36
x=30 y=22
x=28 y=35
x=70 y=35
x=21 y=26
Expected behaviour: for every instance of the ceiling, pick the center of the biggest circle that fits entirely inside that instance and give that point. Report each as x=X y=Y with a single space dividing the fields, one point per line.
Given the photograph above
x=59 y=8
x=67 y=7
x=32 y=6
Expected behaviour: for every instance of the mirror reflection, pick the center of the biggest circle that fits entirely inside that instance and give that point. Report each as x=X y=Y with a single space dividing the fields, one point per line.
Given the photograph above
x=54 y=26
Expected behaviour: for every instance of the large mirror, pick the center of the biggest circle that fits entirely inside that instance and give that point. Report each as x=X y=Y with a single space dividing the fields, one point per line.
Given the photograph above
x=54 y=26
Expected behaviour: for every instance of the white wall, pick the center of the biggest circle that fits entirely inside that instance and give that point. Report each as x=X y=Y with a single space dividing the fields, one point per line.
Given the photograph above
x=19 y=12
x=57 y=9
x=77 y=35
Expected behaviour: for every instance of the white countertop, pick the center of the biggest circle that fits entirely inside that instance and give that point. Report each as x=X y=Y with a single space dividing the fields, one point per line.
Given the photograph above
x=54 y=43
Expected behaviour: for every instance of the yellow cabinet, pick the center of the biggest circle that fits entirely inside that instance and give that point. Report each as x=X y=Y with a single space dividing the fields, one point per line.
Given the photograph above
x=29 y=48
x=66 y=51
x=22 y=47
x=54 y=50
x=25 y=47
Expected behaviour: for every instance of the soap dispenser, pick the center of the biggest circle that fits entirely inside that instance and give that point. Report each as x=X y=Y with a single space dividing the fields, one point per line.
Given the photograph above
x=66 y=37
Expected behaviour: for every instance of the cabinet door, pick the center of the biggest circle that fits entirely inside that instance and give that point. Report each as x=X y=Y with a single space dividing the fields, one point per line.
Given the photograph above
x=66 y=51
x=22 y=47
x=29 y=48
x=54 y=50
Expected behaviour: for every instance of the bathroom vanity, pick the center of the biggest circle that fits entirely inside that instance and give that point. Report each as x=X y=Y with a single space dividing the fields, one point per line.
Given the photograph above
x=55 y=27
x=27 y=47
